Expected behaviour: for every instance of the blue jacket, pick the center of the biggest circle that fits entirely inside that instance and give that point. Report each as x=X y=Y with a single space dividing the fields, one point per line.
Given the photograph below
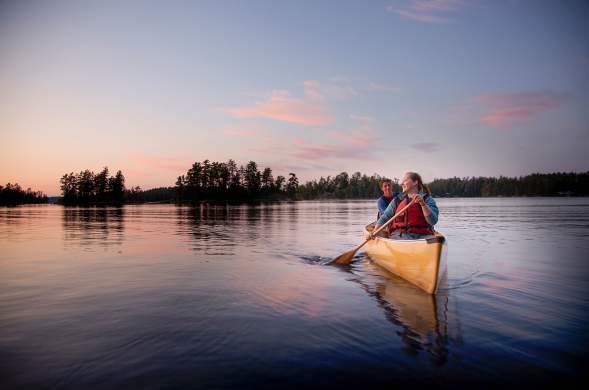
x=383 y=202
x=432 y=219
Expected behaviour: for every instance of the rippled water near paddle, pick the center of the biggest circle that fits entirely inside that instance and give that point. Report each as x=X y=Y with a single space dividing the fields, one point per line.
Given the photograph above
x=164 y=296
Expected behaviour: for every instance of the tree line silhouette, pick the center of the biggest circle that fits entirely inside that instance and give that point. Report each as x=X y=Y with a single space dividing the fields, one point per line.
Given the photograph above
x=344 y=186
x=225 y=180
x=13 y=194
x=360 y=186
x=206 y=180
x=87 y=187
x=537 y=184
x=210 y=180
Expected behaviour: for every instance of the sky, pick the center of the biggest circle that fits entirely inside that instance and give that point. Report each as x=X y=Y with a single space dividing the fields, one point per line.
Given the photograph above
x=445 y=88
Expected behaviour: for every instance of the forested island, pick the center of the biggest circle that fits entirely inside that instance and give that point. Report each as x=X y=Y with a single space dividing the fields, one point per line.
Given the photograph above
x=207 y=180
x=13 y=194
x=88 y=187
x=226 y=181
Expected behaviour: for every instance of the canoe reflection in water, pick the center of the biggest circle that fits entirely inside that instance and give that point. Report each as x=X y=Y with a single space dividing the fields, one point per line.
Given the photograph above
x=423 y=318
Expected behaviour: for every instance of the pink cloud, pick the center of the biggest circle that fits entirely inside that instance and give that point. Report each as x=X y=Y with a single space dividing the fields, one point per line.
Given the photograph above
x=428 y=11
x=355 y=144
x=314 y=151
x=309 y=110
x=361 y=136
x=504 y=110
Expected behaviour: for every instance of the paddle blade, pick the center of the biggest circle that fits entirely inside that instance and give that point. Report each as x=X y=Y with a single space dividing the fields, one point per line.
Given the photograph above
x=344 y=259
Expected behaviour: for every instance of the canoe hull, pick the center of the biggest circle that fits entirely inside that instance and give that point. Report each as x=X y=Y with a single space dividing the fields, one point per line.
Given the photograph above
x=421 y=262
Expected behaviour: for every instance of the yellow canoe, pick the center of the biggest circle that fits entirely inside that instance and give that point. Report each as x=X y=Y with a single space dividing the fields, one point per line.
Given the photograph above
x=421 y=262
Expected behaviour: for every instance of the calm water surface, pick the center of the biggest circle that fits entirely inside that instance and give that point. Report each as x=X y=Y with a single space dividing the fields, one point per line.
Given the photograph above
x=163 y=296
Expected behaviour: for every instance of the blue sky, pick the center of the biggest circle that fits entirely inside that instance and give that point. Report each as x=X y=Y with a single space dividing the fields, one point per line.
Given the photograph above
x=445 y=88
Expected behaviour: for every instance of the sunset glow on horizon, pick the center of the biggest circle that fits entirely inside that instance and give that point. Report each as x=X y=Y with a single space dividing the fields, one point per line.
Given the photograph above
x=445 y=88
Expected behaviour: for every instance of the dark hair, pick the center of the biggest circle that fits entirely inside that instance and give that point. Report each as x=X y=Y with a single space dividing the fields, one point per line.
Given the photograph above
x=384 y=180
x=421 y=186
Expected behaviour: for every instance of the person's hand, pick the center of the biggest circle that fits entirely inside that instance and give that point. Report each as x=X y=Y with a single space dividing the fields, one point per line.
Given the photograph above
x=418 y=199
x=370 y=235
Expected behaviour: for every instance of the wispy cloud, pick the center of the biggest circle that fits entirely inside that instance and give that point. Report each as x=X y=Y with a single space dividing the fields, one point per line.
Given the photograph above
x=309 y=110
x=355 y=138
x=360 y=136
x=337 y=88
x=428 y=11
x=317 y=151
x=299 y=166
x=428 y=147
x=358 y=143
x=504 y=110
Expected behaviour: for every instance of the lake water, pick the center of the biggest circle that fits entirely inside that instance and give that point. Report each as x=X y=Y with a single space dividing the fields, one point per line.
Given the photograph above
x=165 y=296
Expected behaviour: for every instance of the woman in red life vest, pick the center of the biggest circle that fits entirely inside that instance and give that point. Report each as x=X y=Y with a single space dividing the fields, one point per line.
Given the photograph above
x=419 y=219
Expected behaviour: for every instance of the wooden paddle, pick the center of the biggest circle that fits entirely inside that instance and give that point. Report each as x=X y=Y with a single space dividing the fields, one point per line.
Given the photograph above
x=347 y=257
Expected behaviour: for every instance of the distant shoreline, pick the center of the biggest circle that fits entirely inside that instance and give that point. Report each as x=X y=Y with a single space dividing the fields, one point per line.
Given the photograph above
x=267 y=200
x=227 y=183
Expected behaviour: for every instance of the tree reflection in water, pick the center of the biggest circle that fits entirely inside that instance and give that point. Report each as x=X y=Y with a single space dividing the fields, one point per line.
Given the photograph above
x=91 y=227
x=213 y=228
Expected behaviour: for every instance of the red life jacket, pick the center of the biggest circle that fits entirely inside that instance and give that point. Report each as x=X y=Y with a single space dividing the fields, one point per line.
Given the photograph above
x=412 y=220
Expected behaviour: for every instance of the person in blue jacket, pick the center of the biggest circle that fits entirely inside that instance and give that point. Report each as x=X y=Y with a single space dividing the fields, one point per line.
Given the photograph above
x=386 y=186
